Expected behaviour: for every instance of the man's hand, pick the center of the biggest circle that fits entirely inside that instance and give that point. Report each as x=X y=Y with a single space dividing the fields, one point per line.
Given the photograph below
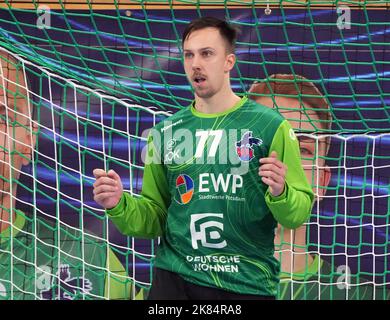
x=107 y=188
x=273 y=173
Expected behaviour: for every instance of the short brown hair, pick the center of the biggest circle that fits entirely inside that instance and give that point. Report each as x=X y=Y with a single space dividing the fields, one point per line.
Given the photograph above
x=226 y=30
x=295 y=86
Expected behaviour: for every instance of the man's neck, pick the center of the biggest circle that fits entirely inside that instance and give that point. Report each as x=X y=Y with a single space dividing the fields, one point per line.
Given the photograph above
x=5 y=219
x=217 y=103
x=292 y=253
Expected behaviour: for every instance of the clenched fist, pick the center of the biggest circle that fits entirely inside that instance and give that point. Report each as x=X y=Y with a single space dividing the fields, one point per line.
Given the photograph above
x=107 y=189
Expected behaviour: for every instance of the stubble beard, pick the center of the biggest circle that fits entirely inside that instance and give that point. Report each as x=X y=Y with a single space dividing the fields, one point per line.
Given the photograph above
x=205 y=93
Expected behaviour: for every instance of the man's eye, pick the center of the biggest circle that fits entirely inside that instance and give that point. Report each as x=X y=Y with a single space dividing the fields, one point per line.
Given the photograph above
x=206 y=53
x=306 y=151
x=188 y=55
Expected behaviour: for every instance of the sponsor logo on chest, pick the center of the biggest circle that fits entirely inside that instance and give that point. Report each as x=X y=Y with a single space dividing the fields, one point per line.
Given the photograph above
x=209 y=183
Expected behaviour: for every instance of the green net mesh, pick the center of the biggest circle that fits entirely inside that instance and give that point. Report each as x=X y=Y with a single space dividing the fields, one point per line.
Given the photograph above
x=81 y=83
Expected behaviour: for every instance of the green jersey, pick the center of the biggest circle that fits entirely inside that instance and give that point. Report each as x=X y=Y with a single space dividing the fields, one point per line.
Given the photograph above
x=202 y=194
x=320 y=281
x=39 y=260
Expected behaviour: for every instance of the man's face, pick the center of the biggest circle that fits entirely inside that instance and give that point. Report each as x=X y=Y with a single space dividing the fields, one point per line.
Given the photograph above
x=312 y=152
x=16 y=140
x=206 y=61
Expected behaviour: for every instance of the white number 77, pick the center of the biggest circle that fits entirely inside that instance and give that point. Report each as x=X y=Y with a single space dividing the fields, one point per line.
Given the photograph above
x=204 y=136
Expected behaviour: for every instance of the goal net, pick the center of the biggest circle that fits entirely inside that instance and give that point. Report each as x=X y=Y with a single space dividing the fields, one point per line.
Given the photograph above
x=82 y=82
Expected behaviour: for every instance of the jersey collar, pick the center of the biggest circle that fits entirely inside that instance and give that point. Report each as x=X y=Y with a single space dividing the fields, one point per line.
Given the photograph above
x=238 y=105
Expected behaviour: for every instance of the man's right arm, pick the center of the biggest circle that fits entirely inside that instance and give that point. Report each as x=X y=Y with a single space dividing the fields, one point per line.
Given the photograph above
x=144 y=216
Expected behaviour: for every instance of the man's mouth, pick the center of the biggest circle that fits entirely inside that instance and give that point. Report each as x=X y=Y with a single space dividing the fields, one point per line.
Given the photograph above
x=199 y=79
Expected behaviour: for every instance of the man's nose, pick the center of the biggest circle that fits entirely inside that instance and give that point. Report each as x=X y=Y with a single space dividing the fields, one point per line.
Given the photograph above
x=196 y=64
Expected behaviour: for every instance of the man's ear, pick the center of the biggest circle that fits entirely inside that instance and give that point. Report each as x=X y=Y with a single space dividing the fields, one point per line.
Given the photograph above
x=31 y=139
x=324 y=180
x=230 y=62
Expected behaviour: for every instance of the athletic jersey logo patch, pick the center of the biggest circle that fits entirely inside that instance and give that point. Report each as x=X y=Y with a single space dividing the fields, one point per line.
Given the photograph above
x=244 y=147
x=184 y=189
x=207 y=230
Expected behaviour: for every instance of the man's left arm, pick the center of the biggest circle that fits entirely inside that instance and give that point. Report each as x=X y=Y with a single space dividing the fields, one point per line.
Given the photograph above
x=289 y=196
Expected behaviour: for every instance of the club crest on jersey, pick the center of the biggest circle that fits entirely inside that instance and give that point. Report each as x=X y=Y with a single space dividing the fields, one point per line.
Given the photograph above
x=64 y=287
x=184 y=189
x=244 y=147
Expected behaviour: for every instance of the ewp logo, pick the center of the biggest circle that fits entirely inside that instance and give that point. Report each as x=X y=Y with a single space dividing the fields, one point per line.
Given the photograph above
x=207 y=231
x=244 y=147
x=184 y=189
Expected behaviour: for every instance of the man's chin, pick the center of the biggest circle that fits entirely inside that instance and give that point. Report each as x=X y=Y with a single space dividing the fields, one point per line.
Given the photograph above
x=204 y=94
